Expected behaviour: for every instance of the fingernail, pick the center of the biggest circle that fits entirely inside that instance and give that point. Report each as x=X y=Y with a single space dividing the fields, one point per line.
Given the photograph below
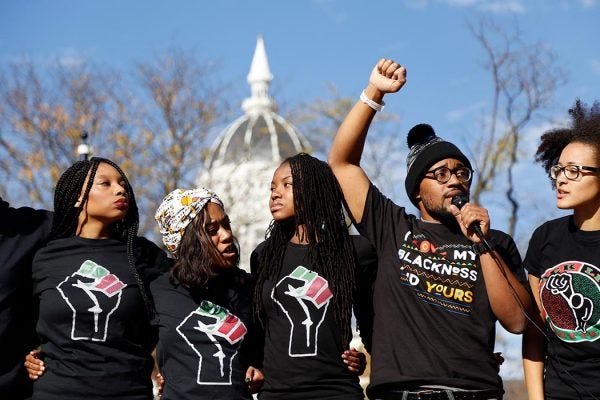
x=248 y=380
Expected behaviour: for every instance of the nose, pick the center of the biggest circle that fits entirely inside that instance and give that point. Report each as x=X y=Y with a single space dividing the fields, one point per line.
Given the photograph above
x=120 y=190
x=225 y=235
x=561 y=178
x=275 y=194
x=453 y=181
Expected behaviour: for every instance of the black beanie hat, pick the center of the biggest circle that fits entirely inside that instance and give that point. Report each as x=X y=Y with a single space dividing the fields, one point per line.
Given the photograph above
x=425 y=149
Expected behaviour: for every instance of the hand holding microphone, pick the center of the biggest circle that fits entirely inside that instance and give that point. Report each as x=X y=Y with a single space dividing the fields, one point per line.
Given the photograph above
x=459 y=201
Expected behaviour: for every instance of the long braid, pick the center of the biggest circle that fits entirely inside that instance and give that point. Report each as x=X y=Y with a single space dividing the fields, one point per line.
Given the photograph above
x=66 y=213
x=318 y=206
x=67 y=194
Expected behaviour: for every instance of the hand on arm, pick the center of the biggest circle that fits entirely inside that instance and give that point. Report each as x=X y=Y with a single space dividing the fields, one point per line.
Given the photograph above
x=254 y=379
x=35 y=366
x=355 y=361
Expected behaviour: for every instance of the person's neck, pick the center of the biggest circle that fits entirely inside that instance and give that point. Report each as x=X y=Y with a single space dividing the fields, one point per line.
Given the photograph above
x=94 y=231
x=299 y=236
x=587 y=221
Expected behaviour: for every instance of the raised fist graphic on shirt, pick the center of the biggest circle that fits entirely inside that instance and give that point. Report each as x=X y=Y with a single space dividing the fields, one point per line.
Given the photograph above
x=93 y=294
x=224 y=332
x=305 y=302
x=581 y=306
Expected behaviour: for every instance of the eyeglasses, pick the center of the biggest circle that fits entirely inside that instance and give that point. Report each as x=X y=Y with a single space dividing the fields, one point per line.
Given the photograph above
x=572 y=172
x=443 y=174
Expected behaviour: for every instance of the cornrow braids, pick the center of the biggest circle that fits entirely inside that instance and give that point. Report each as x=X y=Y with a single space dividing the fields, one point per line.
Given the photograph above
x=318 y=205
x=69 y=200
x=585 y=129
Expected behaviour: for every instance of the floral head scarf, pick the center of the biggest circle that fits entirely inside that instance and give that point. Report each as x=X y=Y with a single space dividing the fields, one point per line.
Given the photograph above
x=178 y=209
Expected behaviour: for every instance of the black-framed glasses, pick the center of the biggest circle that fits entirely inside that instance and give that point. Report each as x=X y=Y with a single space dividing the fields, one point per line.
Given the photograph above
x=443 y=174
x=572 y=171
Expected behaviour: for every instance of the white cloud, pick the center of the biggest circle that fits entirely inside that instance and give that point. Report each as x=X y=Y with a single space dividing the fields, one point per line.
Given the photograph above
x=333 y=9
x=493 y=6
x=71 y=58
x=503 y=7
x=461 y=3
x=466 y=111
x=596 y=66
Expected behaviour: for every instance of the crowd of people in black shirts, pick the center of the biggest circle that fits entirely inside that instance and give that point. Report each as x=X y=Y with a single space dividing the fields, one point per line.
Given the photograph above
x=88 y=308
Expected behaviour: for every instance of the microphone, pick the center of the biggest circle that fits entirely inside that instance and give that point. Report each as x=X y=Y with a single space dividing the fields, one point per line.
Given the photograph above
x=459 y=201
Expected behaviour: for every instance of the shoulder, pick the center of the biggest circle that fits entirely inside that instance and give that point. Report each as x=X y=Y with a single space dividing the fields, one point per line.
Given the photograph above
x=145 y=243
x=242 y=277
x=163 y=281
x=149 y=253
x=260 y=248
x=255 y=257
x=552 y=225
x=500 y=237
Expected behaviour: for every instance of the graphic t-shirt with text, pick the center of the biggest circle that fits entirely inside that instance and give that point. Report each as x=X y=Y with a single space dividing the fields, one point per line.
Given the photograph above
x=433 y=322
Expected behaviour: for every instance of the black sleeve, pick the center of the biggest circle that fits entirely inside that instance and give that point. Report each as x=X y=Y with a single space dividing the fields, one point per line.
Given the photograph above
x=504 y=245
x=533 y=256
x=151 y=260
x=255 y=259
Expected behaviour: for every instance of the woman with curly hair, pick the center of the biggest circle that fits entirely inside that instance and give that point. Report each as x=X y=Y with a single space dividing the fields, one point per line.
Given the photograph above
x=305 y=285
x=563 y=261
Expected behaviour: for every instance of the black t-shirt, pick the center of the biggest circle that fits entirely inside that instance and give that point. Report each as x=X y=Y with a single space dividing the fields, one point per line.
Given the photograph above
x=204 y=348
x=22 y=231
x=567 y=262
x=302 y=353
x=433 y=321
x=93 y=325
x=366 y=271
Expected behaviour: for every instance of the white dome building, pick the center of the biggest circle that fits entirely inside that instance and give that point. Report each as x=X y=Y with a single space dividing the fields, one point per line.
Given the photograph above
x=241 y=163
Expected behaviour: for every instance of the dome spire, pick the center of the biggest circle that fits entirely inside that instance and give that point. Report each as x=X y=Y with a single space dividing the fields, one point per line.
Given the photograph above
x=259 y=78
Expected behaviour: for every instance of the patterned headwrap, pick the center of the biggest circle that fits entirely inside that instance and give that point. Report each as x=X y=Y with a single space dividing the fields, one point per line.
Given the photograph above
x=178 y=209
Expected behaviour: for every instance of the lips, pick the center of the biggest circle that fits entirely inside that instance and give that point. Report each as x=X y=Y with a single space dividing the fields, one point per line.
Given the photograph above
x=121 y=204
x=561 y=194
x=229 y=252
x=276 y=207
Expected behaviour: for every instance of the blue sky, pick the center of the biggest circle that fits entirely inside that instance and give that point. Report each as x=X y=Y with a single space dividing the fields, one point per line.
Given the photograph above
x=316 y=42
x=311 y=43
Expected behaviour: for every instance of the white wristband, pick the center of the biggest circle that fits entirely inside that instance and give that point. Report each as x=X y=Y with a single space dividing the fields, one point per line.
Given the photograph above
x=375 y=106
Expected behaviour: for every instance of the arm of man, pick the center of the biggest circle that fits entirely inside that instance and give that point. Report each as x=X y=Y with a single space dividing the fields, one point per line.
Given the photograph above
x=508 y=298
x=344 y=157
x=534 y=351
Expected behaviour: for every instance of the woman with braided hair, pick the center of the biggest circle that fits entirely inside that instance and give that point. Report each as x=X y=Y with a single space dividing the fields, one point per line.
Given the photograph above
x=562 y=351
x=91 y=281
x=305 y=285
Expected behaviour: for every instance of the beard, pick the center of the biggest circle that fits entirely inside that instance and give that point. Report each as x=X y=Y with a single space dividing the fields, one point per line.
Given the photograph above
x=440 y=213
